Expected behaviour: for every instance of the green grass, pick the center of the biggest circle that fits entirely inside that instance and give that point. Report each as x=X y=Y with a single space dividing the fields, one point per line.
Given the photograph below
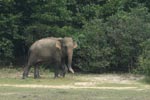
x=11 y=93
x=13 y=77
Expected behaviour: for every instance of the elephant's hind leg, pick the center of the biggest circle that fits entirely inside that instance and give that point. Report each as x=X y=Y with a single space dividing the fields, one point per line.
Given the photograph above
x=26 y=71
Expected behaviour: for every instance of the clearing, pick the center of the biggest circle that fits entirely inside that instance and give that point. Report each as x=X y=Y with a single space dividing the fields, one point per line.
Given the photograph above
x=78 y=86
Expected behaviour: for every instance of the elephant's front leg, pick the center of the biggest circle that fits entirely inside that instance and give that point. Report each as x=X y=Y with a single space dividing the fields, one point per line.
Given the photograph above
x=64 y=70
x=56 y=70
x=36 y=72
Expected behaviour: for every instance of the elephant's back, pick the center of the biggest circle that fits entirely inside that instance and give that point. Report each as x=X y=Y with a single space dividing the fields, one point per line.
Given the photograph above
x=44 y=48
x=43 y=43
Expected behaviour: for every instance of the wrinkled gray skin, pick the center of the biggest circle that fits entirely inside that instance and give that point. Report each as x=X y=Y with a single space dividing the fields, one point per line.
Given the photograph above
x=56 y=51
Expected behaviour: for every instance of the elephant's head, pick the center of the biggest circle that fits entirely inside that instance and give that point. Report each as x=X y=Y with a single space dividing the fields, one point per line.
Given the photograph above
x=66 y=45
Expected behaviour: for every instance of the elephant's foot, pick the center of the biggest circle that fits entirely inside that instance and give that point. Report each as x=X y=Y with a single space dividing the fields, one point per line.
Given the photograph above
x=24 y=76
x=36 y=76
x=56 y=76
x=62 y=75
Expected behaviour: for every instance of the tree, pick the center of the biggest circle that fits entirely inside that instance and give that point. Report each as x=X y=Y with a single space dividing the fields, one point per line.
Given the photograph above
x=125 y=32
x=94 y=53
x=8 y=31
x=144 y=58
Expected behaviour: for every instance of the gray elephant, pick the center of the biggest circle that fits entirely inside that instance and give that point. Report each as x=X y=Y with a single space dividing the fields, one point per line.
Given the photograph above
x=56 y=51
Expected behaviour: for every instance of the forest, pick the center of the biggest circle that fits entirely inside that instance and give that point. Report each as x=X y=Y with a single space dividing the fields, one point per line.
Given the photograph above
x=112 y=35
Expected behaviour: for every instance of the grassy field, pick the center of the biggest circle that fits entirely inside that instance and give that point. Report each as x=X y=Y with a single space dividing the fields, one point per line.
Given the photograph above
x=72 y=87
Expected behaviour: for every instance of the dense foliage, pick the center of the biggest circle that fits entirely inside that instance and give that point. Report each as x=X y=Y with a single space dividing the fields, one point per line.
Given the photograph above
x=144 y=58
x=112 y=35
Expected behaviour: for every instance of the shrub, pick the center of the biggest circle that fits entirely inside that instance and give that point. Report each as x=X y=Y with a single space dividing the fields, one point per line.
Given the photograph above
x=93 y=54
x=144 y=58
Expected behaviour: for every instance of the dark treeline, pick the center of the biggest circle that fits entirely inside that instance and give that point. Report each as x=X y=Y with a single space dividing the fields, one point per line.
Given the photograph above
x=112 y=35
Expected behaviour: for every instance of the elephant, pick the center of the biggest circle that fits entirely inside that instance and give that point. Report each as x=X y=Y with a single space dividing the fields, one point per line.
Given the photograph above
x=56 y=51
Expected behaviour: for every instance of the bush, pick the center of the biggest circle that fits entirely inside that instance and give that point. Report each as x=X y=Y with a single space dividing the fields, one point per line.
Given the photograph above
x=144 y=58
x=126 y=30
x=93 y=54
x=114 y=44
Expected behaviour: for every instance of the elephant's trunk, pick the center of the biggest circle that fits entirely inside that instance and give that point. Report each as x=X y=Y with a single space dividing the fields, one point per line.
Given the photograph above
x=70 y=53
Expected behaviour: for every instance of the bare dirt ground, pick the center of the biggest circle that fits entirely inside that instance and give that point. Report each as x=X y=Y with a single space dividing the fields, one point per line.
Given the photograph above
x=67 y=87
x=93 y=81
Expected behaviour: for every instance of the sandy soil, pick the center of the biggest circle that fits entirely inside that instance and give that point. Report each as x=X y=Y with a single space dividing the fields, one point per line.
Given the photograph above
x=65 y=86
x=92 y=81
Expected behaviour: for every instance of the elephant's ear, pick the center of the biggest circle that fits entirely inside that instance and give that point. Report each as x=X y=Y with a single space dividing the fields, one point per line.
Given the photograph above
x=75 y=45
x=58 y=45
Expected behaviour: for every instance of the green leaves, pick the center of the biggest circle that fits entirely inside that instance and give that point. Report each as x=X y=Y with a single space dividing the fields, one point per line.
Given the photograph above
x=6 y=49
x=144 y=58
x=114 y=45
x=126 y=31
x=94 y=51
x=108 y=32
x=8 y=34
